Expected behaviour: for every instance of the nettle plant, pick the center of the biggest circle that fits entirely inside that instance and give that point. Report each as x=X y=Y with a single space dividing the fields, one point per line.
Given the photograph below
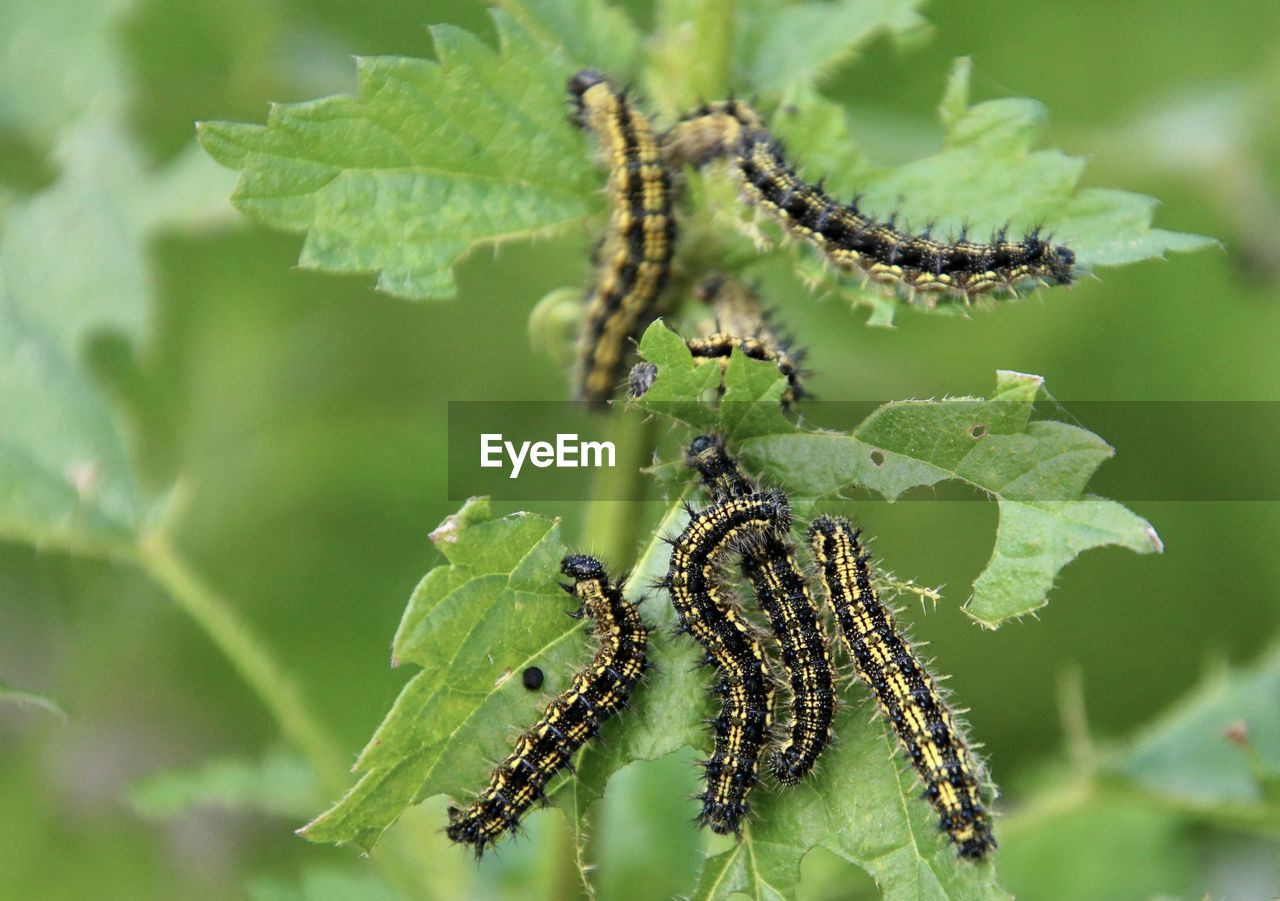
x=434 y=159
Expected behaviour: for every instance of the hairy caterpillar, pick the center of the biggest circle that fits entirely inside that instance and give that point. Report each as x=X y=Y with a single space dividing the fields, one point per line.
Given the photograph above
x=710 y=616
x=596 y=693
x=739 y=323
x=906 y=692
x=783 y=593
x=635 y=257
x=846 y=237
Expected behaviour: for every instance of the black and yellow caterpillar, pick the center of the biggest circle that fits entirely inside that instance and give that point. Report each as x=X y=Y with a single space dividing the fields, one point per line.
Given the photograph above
x=596 y=693
x=907 y=694
x=848 y=238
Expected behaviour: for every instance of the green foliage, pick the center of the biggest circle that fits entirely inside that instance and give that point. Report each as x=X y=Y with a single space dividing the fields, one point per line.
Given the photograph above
x=56 y=63
x=65 y=470
x=280 y=784
x=988 y=173
x=787 y=47
x=1213 y=758
x=431 y=160
x=588 y=31
x=495 y=609
x=1218 y=752
x=434 y=159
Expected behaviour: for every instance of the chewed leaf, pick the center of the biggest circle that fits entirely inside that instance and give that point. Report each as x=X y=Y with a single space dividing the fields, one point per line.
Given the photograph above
x=1037 y=471
x=430 y=160
x=473 y=623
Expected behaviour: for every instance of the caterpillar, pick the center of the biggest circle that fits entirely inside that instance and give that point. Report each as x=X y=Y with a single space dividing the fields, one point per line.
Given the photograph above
x=635 y=256
x=848 y=238
x=739 y=323
x=705 y=611
x=596 y=693
x=783 y=593
x=907 y=694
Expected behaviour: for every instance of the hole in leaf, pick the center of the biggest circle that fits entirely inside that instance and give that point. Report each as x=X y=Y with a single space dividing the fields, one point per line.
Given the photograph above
x=877 y=458
x=978 y=430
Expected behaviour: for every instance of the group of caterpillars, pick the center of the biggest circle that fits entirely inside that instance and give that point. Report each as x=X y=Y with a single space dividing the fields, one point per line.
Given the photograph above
x=635 y=256
x=742 y=522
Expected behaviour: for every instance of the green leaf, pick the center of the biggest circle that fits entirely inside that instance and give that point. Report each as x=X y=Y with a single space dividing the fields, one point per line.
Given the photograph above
x=1036 y=471
x=473 y=623
x=431 y=160
x=57 y=62
x=73 y=265
x=667 y=707
x=783 y=47
x=20 y=698
x=280 y=784
x=497 y=609
x=988 y=173
x=863 y=805
x=1213 y=758
x=323 y=884
x=752 y=396
x=703 y=51
x=592 y=33
x=1216 y=753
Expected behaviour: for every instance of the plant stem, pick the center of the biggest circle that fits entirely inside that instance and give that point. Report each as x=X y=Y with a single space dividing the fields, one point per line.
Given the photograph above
x=690 y=60
x=250 y=657
x=256 y=664
x=612 y=528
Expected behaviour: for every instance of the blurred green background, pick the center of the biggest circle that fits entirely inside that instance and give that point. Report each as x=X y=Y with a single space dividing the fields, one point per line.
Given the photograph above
x=307 y=419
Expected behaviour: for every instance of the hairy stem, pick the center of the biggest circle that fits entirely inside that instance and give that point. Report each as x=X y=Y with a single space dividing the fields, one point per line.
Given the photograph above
x=250 y=657
x=612 y=527
x=690 y=61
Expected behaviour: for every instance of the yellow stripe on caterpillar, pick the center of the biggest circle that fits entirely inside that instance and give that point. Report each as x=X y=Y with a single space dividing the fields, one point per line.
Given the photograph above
x=634 y=259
